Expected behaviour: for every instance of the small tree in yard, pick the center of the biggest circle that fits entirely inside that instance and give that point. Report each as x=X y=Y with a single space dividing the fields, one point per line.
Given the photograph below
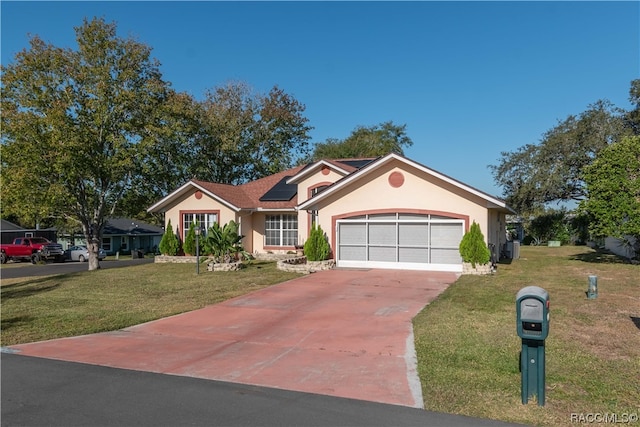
x=473 y=249
x=189 y=244
x=316 y=248
x=169 y=244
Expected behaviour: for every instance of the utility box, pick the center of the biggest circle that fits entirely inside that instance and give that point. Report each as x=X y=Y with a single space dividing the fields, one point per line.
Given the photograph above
x=532 y=325
x=532 y=312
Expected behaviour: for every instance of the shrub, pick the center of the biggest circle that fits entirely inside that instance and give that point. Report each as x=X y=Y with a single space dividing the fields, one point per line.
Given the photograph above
x=169 y=245
x=189 y=244
x=317 y=247
x=225 y=243
x=473 y=249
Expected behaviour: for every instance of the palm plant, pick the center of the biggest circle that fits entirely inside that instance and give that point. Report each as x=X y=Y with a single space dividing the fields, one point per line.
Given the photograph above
x=224 y=243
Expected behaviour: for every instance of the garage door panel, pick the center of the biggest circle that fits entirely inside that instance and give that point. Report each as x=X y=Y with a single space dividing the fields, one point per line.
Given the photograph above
x=353 y=234
x=382 y=254
x=445 y=256
x=446 y=235
x=353 y=253
x=413 y=234
x=413 y=255
x=382 y=234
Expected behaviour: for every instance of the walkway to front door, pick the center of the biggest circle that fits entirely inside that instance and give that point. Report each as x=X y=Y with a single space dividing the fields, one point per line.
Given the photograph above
x=345 y=333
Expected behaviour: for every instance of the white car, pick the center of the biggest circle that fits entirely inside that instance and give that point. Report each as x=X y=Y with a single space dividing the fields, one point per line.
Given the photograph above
x=81 y=253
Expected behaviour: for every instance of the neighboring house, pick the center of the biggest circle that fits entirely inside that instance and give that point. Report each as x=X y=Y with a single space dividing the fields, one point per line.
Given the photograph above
x=9 y=231
x=387 y=212
x=124 y=235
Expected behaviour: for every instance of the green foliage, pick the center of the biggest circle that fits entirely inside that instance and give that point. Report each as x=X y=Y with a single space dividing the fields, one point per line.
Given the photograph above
x=96 y=131
x=613 y=183
x=550 y=225
x=224 y=243
x=536 y=174
x=317 y=248
x=473 y=248
x=169 y=245
x=167 y=154
x=189 y=245
x=245 y=135
x=370 y=141
x=71 y=124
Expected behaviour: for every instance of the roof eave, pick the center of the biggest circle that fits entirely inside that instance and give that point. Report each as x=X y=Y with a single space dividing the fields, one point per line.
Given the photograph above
x=376 y=164
x=162 y=204
x=311 y=170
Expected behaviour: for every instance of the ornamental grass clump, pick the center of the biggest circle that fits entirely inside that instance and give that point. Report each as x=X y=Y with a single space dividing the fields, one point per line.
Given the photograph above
x=473 y=249
x=316 y=247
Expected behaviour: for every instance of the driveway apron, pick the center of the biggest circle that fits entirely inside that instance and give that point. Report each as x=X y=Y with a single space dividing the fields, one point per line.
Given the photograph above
x=345 y=333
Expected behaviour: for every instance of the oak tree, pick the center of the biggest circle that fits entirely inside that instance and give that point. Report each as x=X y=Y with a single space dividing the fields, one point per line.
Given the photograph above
x=551 y=171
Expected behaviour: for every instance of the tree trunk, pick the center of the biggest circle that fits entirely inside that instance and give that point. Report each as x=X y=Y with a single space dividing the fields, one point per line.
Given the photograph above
x=93 y=246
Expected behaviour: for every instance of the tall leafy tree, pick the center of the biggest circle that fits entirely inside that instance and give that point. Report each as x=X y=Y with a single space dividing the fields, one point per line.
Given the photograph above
x=552 y=170
x=247 y=135
x=372 y=141
x=167 y=154
x=613 y=187
x=632 y=118
x=71 y=125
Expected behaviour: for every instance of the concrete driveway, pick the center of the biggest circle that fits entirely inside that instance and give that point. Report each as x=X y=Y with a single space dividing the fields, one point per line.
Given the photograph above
x=345 y=333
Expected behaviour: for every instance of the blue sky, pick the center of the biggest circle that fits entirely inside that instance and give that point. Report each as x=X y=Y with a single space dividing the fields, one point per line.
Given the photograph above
x=469 y=79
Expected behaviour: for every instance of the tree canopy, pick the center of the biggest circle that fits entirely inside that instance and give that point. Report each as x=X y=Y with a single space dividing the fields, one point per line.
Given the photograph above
x=247 y=135
x=71 y=123
x=536 y=174
x=95 y=132
x=613 y=189
x=372 y=141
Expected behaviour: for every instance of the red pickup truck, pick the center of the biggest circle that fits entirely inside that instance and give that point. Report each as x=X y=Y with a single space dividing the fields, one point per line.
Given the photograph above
x=31 y=249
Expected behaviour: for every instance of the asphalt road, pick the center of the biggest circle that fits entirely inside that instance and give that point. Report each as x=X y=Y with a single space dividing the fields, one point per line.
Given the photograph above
x=10 y=271
x=39 y=392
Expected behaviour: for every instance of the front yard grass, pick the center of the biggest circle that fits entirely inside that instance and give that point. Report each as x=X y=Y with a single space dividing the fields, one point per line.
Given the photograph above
x=42 y=308
x=466 y=341
x=468 y=348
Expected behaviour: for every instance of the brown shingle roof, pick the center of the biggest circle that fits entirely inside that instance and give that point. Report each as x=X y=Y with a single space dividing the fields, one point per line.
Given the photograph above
x=247 y=196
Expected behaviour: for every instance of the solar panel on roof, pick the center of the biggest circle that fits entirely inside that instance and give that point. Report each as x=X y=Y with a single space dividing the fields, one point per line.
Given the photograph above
x=357 y=163
x=281 y=192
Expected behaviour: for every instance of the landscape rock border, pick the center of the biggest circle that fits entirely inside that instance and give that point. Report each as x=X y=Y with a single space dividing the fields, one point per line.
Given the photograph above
x=301 y=265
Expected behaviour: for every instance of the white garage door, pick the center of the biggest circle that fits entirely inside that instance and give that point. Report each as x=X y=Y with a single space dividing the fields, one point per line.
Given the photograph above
x=402 y=241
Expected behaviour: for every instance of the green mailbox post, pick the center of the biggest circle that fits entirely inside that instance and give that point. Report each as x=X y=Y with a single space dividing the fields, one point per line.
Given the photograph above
x=532 y=323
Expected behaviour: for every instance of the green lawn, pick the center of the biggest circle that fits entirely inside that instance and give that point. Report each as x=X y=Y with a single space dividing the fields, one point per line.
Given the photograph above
x=41 y=308
x=466 y=340
x=468 y=347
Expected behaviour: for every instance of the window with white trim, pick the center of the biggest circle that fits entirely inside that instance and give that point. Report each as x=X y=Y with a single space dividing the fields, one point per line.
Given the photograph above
x=204 y=220
x=281 y=230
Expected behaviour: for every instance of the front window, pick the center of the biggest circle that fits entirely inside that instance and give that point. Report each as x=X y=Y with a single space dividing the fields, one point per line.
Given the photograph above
x=281 y=230
x=106 y=244
x=203 y=220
